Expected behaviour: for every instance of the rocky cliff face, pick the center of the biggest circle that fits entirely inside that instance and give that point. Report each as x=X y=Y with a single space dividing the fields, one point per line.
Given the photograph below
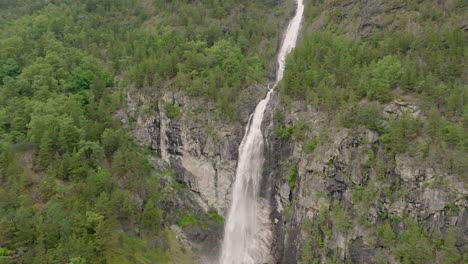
x=346 y=163
x=203 y=155
x=199 y=147
x=336 y=189
x=191 y=141
x=341 y=189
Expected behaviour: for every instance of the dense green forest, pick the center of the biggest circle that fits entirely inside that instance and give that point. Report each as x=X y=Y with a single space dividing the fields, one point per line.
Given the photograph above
x=420 y=58
x=74 y=187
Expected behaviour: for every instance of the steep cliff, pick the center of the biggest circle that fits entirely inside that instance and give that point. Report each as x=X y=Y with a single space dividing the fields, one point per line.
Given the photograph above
x=340 y=193
x=343 y=189
x=195 y=143
x=348 y=187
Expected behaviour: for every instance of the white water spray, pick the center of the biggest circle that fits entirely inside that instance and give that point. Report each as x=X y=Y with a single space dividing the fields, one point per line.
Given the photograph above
x=247 y=234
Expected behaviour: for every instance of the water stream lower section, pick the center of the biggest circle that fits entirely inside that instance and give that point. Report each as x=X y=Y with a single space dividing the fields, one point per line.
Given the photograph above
x=247 y=234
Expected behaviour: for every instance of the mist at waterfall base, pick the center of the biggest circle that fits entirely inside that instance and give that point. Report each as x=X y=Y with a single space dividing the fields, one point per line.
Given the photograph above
x=247 y=234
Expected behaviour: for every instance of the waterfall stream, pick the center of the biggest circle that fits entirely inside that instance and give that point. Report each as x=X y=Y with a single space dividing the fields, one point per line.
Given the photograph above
x=247 y=234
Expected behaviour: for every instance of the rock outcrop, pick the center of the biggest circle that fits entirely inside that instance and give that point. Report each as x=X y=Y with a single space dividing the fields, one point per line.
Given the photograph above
x=348 y=162
x=349 y=173
x=198 y=147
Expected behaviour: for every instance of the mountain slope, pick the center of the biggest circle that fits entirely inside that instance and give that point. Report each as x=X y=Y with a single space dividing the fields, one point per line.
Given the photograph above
x=372 y=129
x=75 y=185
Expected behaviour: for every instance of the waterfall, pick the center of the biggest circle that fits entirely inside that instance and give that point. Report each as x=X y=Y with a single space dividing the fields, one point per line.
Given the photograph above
x=247 y=234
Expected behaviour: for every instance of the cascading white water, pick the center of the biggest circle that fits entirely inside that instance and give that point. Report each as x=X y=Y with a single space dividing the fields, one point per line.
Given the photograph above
x=247 y=235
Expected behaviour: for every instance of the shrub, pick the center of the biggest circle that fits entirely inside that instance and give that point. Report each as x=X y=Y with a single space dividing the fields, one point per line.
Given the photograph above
x=340 y=220
x=215 y=216
x=291 y=174
x=283 y=133
x=413 y=245
x=400 y=132
x=4 y=252
x=187 y=219
x=382 y=76
x=310 y=146
x=172 y=110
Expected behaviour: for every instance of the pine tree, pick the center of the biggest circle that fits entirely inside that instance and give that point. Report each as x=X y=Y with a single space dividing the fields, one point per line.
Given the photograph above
x=151 y=217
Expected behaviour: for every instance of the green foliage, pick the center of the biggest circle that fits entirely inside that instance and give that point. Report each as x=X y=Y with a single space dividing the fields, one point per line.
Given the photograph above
x=71 y=179
x=452 y=209
x=187 y=219
x=450 y=253
x=339 y=74
x=350 y=79
x=77 y=260
x=291 y=174
x=278 y=116
x=400 y=133
x=215 y=216
x=151 y=216
x=134 y=250
x=413 y=245
x=386 y=233
x=10 y=68
x=382 y=76
x=317 y=234
x=112 y=140
x=371 y=159
x=363 y=114
x=295 y=131
x=340 y=220
x=310 y=145
x=306 y=253
x=363 y=197
x=176 y=252
x=4 y=252
x=284 y=133
x=172 y=110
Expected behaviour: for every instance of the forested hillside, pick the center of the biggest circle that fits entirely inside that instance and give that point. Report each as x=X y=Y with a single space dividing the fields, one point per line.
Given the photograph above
x=420 y=56
x=376 y=93
x=120 y=122
x=74 y=187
